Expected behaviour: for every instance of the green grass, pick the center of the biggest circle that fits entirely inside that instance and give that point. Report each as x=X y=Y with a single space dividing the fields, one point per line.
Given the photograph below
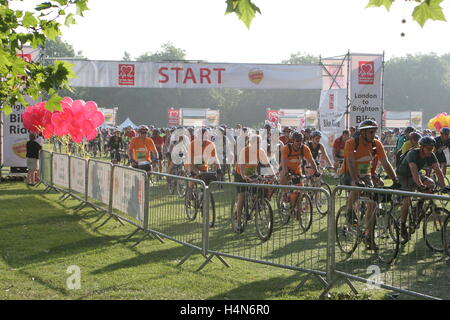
x=41 y=238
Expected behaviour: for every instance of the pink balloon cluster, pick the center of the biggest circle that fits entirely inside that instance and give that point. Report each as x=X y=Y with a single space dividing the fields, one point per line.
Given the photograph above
x=78 y=120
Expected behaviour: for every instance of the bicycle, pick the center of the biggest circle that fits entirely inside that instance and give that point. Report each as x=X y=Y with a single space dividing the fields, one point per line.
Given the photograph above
x=257 y=203
x=351 y=227
x=176 y=184
x=295 y=203
x=115 y=156
x=319 y=198
x=194 y=199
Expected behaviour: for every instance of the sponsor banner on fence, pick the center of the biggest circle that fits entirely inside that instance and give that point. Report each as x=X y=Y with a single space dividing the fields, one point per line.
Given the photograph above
x=60 y=169
x=128 y=192
x=99 y=180
x=195 y=75
x=78 y=174
x=365 y=88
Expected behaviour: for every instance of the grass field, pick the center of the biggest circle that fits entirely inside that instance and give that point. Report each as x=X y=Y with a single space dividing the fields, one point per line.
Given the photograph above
x=42 y=238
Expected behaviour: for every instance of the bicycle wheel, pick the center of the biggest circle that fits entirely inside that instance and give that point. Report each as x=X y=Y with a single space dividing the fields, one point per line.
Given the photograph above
x=263 y=219
x=386 y=236
x=346 y=232
x=181 y=185
x=238 y=226
x=433 y=226
x=303 y=210
x=446 y=236
x=284 y=205
x=191 y=204
x=321 y=199
x=172 y=185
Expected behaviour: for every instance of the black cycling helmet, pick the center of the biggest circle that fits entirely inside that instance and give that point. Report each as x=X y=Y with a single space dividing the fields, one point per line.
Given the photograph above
x=444 y=130
x=316 y=134
x=427 y=141
x=368 y=124
x=415 y=136
x=409 y=130
x=296 y=135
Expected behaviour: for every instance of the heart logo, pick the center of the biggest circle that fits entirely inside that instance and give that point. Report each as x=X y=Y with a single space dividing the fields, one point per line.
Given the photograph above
x=256 y=76
x=367 y=68
x=126 y=70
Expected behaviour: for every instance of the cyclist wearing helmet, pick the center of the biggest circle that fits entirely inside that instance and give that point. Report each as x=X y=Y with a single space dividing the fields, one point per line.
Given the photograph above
x=442 y=143
x=410 y=179
x=338 y=148
x=115 y=144
x=317 y=148
x=142 y=149
x=413 y=142
x=359 y=154
x=292 y=155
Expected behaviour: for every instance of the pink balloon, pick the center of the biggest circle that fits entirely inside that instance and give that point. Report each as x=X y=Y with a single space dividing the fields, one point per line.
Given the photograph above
x=92 y=135
x=90 y=106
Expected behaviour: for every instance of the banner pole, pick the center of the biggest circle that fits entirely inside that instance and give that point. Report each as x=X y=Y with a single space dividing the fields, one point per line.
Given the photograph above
x=382 y=96
x=347 y=120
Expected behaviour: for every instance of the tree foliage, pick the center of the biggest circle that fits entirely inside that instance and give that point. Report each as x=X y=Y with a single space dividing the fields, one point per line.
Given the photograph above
x=21 y=28
x=168 y=52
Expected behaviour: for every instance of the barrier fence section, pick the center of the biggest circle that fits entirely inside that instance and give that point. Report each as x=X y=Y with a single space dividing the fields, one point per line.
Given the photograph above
x=174 y=217
x=419 y=268
x=271 y=233
x=130 y=195
x=60 y=173
x=99 y=184
x=78 y=178
x=45 y=168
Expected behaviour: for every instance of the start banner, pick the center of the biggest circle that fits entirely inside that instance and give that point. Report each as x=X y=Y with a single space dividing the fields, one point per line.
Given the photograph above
x=195 y=75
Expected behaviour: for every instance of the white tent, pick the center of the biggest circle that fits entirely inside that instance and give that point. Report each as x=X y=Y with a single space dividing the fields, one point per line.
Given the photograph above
x=127 y=123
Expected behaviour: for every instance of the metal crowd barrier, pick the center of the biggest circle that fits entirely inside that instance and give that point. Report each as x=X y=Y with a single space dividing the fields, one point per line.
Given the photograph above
x=417 y=270
x=289 y=246
x=146 y=202
x=45 y=169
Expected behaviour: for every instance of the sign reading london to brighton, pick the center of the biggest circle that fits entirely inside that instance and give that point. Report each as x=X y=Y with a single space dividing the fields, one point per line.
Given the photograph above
x=365 y=88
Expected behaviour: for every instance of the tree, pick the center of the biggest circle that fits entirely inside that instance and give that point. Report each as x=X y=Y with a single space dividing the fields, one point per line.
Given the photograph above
x=424 y=10
x=126 y=56
x=21 y=28
x=301 y=58
x=168 y=52
x=60 y=49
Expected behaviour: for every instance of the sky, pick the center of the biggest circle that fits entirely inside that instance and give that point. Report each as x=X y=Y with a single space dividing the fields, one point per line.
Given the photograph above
x=318 y=27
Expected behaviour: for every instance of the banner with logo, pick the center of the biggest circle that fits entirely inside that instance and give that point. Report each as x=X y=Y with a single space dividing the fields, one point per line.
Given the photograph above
x=292 y=118
x=173 y=116
x=311 y=119
x=195 y=75
x=110 y=115
x=416 y=119
x=272 y=116
x=365 y=92
x=212 y=117
x=332 y=107
x=15 y=136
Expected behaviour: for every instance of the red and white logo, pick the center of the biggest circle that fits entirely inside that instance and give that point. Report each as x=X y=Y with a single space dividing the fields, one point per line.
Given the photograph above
x=173 y=116
x=272 y=115
x=26 y=57
x=126 y=74
x=366 y=72
x=331 y=101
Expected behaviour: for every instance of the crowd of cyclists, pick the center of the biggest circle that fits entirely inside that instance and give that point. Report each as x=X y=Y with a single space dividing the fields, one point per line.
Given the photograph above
x=288 y=157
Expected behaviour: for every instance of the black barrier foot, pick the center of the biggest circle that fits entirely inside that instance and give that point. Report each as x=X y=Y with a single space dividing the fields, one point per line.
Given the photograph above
x=132 y=234
x=208 y=260
x=187 y=256
x=104 y=222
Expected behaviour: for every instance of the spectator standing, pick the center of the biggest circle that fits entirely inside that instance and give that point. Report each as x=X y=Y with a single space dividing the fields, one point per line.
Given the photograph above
x=33 y=149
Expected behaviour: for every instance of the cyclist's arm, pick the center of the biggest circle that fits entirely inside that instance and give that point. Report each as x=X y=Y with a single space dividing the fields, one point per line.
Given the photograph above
x=324 y=152
x=265 y=162
x=439 y=174
x=388 y=168
x=351 y=165
x=415 y=174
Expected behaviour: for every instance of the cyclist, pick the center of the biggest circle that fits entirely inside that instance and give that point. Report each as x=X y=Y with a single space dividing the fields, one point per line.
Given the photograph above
x=159 y=144
x=411 y=143
x=401 y=140
x=411 y=180
x=359 y=154
x=338 y=148
x=201 y=153
x=142 y=149
x=442 y=143
x=285 y=137
x=115 y=144
x=317 y=148
x=292 y=156
x=250 y=161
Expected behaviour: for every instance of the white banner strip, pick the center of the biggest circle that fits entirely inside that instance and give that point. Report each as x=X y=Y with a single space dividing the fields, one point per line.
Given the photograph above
x=195 y=75
x=99 y=181
x=78 y=168
x=60 y=170
x=128 y=192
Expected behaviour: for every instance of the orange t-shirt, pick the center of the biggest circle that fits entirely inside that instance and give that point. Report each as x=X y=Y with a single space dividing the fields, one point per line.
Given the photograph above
x=200 y=156
x=295 y=157
x=141 y=148
x=249 y=160
x=363 y=156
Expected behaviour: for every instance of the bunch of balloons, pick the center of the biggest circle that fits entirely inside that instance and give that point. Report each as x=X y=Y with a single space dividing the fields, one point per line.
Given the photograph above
x=78 y=120
x=441 y=120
